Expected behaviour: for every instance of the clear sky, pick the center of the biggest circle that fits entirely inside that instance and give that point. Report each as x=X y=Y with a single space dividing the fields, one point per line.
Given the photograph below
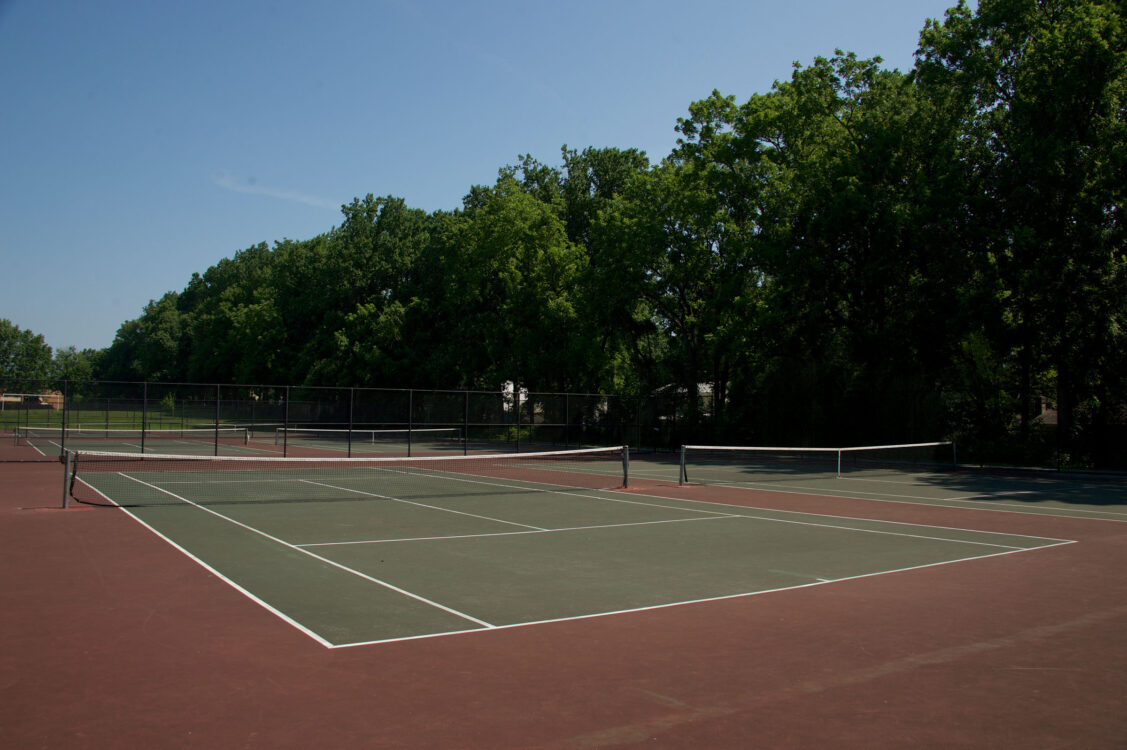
x=141 y=141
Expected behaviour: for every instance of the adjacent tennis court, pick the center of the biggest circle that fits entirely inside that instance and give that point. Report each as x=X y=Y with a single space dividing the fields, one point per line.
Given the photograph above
x=254 y=440
x=55 y=441
x=919 y=473
x=357 y=551
x=363 y=442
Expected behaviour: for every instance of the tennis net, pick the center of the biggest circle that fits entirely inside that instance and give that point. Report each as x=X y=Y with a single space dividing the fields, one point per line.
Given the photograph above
x=340 y=437
x=80 y=436
x=711 y=464
x=131 y=479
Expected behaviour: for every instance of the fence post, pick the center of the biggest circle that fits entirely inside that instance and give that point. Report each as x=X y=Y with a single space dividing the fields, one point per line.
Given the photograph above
x=144 y=411
x=351 y=400
x=63 y=432
x=217 y=395
x=285 y=420
x=567 y=420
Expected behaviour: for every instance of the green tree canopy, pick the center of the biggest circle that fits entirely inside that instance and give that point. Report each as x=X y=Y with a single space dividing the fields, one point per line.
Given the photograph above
x=23 y=354
x=857 y=254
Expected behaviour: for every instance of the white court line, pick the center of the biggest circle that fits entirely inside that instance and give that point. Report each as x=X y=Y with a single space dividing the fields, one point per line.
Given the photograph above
x=690 y=501
x=36 y=448
x=909 y=500
x=214 y=571
x=848 y=518
x=489 y=626
x=961 y=498
x=731 y=515
x=668 y=605
x=891 y=533
x=513 y=533
x=315 y=556
x=48 y=442
x=914 y=484
x=632 y=501
x=421 y=505
x=1009 y=550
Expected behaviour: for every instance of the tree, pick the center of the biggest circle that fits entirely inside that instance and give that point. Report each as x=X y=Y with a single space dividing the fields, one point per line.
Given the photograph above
x=1046 y=82
x=828 y=201
x=229 y=321
x=697 y=279
x=364 y=277
x=514 y=289
x=24 y=355
x=618 y=327
x=72 y=364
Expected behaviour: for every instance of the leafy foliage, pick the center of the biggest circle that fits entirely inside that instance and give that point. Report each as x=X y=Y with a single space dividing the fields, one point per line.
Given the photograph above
x=858 y=254
x=23 y=354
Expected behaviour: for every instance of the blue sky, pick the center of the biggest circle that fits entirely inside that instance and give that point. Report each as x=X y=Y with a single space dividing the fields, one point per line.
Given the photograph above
x=145 y=140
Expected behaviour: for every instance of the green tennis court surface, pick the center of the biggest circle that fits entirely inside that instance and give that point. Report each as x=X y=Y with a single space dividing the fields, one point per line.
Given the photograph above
x=920 y=474
x=359 y=442
x=51 y=441
x=357 y=552
x=253 y=441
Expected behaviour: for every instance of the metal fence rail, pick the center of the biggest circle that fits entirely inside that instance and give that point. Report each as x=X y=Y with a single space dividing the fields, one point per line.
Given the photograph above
x=510 y=420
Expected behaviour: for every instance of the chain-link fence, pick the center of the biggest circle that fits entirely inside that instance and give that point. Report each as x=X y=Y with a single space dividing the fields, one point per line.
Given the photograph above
x=300 y=420
x=311 y=421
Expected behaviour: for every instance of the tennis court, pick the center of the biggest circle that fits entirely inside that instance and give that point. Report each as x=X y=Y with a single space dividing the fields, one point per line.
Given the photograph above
x=55 y=441
x=253 y=440
x=921 y=474
x=358 y=551
x=536 y=601
x=367 y=442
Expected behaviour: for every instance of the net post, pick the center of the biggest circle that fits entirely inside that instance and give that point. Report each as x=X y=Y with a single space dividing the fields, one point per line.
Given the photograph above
x=625 y=466
x=68 y=461
x=682 y=476
x=839 y=463
x=466 y=425
x=954 y=454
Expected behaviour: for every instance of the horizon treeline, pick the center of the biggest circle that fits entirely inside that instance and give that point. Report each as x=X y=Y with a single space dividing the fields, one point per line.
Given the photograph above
x=858 y=254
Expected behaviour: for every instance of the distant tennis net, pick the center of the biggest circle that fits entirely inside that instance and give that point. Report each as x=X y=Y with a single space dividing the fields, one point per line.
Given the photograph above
x=86 y=436
x=711 y=464
x=131 y=479
x=341 y=437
